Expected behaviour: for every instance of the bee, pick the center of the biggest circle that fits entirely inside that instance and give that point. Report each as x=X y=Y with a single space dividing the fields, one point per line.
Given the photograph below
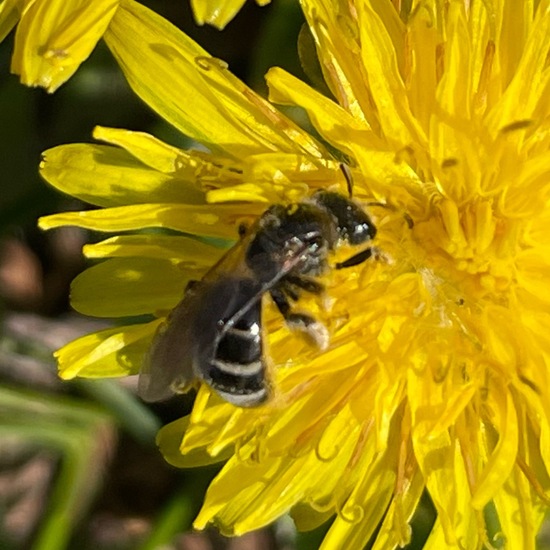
x=215 y=332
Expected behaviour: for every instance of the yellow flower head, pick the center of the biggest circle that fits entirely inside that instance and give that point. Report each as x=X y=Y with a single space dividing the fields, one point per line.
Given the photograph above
x=436 y=377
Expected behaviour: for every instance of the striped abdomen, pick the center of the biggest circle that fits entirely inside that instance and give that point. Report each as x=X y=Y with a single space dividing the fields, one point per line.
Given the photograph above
x=237 y=371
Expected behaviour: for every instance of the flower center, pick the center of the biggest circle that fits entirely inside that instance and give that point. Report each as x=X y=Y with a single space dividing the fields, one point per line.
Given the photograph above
x=470 y=246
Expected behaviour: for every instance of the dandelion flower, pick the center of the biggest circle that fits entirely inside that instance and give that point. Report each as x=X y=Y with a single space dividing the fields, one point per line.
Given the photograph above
x=436 y=379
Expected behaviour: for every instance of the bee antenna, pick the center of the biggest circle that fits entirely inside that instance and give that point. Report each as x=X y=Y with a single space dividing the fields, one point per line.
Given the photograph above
x=349 y=178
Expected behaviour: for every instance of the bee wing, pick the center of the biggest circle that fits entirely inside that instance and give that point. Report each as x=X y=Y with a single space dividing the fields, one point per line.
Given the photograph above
x=188 y=337
x=168 y=365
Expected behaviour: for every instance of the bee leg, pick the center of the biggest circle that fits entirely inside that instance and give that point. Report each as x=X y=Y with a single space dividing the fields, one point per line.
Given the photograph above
x=281 y=301
x=356 y=259
x=305 y=283
x=289 y=290
x=313 y=329
x=292 y=285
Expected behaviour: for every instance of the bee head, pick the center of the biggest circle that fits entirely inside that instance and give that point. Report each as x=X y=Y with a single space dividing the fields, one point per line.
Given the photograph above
x=352 y=223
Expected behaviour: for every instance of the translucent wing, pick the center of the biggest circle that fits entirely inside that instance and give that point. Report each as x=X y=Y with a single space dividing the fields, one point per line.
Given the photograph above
x=191 y=330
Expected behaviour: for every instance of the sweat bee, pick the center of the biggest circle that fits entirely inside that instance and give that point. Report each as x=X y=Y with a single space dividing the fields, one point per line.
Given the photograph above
x=215 y=332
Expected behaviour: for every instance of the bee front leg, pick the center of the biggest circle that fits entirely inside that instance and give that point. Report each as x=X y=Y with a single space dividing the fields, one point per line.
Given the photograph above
x=313 y=329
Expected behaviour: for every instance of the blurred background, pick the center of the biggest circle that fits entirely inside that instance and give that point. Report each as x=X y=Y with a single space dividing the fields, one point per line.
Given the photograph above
x=79 y=468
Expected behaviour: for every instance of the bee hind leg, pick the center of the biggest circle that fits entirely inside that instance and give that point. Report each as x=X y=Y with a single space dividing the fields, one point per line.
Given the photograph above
x=305 y=283
x=291 y=287
x=314 y=330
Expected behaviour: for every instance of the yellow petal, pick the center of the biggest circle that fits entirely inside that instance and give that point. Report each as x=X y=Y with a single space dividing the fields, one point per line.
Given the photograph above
x=148 y=149
x=335 y=35
x=113 y=352
x=383 y=170
x=336 y=449
x=454 y=96
x=469 y=539
x=169 y=442
x=514 y=21
x=218 y=12
x=503 y=457
x=215 y=12
x=307 y=518
x=123 y=287
x=231 y=424
x=519 y=513
x=423 y=39
x=279 y=177
x=454 y=93
x=335 y=124
x=530 y=79
x=55 y=36
x=365 y=508
x=443 y=467
x=204 y=100
x=10 y=11
x=533 y=272
x=211 y=220
x=192 y=167
x=313 y=408
x=385 y=81
x=186 y=251
x=395 y=530
x=108 y=176
x=259 y=502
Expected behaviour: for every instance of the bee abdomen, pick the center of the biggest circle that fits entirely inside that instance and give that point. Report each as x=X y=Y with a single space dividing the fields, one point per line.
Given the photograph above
x=243 y=390
x=237 y=371
x=240 y=345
